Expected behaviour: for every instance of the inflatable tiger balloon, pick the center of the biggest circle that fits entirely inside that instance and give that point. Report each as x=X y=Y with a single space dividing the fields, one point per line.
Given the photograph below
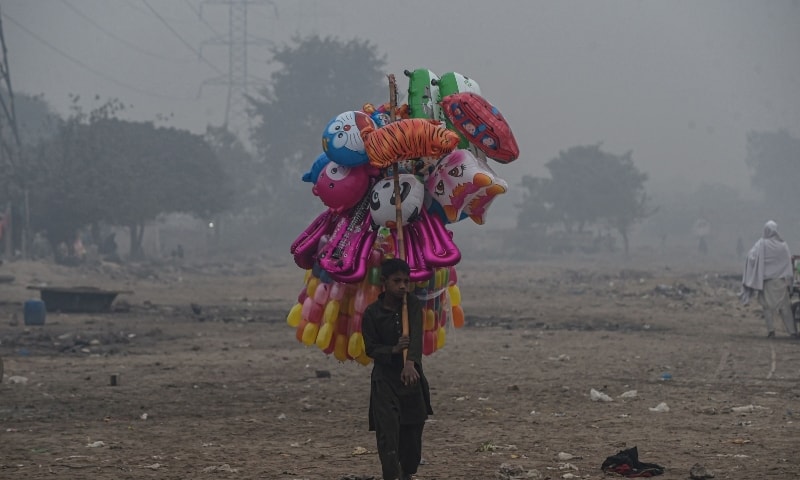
x=407 y=139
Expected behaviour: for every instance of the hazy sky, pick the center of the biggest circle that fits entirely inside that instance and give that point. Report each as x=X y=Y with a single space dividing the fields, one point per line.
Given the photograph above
x=678 y=82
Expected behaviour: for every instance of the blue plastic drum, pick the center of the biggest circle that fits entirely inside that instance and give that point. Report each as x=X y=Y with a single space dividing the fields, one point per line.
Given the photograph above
x=34 y=312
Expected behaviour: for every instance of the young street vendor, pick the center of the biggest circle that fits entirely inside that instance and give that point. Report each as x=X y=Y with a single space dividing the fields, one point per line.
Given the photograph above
x=399 y=393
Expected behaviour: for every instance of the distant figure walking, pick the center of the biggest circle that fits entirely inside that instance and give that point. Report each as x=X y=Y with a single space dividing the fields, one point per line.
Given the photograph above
x=768 y=272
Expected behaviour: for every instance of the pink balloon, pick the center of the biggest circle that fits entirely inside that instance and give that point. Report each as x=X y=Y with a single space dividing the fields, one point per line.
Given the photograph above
x=434 y=241
x=341 y=187
x=305 y=246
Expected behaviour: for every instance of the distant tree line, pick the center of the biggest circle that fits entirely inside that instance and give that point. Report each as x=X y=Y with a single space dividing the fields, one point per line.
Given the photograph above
x=95 y=168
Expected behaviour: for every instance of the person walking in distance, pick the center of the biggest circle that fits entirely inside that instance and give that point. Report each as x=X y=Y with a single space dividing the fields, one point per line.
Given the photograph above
x=768 y=273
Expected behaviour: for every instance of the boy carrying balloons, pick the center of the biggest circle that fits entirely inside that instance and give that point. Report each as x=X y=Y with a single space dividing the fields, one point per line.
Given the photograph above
x=399 y=393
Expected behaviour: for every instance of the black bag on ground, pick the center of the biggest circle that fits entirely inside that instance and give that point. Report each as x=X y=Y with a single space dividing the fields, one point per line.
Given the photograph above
x=627 y=464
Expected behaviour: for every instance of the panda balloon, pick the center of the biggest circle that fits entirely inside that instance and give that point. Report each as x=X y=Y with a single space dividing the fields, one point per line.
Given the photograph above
x=382 y=201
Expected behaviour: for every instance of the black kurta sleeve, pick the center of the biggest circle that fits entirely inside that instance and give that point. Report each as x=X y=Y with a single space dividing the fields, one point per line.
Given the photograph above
x=373 y=342
x=414 y=329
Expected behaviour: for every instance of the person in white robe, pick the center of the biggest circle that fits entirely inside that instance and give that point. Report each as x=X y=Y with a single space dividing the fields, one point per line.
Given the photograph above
x=768 y=273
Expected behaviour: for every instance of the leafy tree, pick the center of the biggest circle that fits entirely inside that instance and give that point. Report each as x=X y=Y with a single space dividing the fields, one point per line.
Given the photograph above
x=774 y=159
x=35 y=120
x=586 y=186
x=102 y=169
x=535 y=208
x=238 y=164
x=319 y=78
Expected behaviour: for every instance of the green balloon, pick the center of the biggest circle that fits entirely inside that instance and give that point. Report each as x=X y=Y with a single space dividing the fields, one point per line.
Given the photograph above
x=423 y=94
x=451 y=83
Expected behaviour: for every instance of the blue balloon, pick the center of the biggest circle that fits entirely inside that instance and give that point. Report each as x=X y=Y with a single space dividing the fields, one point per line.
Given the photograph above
x=342 y=140
x=316 y=168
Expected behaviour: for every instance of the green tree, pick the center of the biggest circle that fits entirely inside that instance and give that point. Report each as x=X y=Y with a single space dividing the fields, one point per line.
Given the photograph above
x=102 y=169
x=318 y=79
x=33 y=120
x=586 y=186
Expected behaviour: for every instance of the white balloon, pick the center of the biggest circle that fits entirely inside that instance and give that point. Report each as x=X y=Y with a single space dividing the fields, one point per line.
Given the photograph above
x=382 y=205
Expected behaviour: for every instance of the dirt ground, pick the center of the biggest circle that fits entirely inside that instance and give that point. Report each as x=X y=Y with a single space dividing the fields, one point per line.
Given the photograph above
x=224 y=390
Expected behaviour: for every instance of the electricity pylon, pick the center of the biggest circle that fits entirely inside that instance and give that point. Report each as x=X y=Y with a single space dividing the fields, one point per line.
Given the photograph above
x=238 y=79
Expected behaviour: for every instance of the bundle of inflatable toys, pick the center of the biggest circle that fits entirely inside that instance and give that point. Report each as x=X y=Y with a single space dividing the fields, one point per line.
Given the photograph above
x=437 y=144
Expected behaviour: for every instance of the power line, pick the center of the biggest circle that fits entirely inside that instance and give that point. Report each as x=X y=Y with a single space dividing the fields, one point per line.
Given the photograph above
x=174 y=32
x=85 y=66
x=200 y=16
x=237 y=79
x=113 y=35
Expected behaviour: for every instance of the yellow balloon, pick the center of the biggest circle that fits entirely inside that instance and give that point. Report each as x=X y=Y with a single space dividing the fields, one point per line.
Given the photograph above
x=310 y=333
x=439 y=277
x=355 y=346
x=364 y=359
x=455 y=295
x=312 y=286
x=331 y=311
x=430 y=319
x=295 y=315
x=340 y=350
x=324 y=335
x=440 y=338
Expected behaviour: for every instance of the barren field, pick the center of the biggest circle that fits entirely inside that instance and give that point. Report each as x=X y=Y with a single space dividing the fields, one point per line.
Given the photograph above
x=224 y=390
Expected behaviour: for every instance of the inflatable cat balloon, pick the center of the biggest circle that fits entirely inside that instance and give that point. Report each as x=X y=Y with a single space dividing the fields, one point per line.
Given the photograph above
x=477 y=206
x=342 y=141
x=340 y=187
x=458 y=180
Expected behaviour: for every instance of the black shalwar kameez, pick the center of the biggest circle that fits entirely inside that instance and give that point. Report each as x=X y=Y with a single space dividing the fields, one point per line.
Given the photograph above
x=397 y=412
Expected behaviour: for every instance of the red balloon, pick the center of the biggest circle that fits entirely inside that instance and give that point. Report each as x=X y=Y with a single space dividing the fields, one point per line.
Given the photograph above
x=482 y=124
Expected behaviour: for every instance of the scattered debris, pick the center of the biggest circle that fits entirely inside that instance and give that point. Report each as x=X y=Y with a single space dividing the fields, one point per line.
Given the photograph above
x=564 y=456
x=748 y=408
x=597 y=396
x=561 y=358
x=360 y=451
x=221 y=468
x=629 y=394
x=491 y=447
x=96 y=444
x=516 y=472
x=322 y=374
x=660 y=408
x=699 y=472
x=17 y=379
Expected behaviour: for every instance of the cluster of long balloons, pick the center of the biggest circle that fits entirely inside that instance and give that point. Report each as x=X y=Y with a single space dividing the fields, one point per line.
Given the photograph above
x=437 y=144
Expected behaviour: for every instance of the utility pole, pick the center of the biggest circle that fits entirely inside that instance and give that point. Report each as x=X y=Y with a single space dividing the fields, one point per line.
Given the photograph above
x=238 y=79
x=12 y=150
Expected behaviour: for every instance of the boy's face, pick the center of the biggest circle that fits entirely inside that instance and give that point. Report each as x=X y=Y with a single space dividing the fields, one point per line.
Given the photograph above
x=396 y=285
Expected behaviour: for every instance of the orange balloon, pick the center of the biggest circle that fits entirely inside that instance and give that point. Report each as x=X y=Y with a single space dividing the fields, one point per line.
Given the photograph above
x=300 y=329
x=458 y=316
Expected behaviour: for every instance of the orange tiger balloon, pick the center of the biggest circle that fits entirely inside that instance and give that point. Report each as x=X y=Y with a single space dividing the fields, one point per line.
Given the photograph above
x=406 y=139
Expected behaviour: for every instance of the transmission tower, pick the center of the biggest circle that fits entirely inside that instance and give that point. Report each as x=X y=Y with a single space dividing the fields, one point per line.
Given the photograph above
x=238 y=79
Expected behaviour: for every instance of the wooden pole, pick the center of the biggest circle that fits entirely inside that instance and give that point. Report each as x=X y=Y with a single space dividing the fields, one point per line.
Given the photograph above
x=401 y=251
